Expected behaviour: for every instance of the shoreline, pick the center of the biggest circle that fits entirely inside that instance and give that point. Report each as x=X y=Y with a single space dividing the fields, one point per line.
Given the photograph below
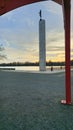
x=55 y=71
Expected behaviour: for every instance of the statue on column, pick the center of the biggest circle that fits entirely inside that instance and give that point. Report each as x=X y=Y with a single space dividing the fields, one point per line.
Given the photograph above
x=40 y=14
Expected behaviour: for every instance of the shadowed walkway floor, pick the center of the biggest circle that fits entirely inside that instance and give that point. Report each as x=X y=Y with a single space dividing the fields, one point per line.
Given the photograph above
x=31 y=101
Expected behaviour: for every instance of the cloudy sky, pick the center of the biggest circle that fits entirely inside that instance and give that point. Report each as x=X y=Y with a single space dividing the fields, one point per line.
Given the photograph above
x=19 y=38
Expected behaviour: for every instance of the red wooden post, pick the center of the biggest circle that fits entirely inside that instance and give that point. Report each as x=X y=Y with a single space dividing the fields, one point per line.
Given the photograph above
x=66 y=11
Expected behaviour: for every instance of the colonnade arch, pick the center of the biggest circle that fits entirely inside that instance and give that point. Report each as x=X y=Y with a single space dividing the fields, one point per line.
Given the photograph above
x=8 y=5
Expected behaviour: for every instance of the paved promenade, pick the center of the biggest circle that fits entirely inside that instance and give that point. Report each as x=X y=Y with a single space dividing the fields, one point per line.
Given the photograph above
x=31 y=101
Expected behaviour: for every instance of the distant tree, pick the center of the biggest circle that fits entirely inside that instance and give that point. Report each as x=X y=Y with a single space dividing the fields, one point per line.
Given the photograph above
x=2 y=56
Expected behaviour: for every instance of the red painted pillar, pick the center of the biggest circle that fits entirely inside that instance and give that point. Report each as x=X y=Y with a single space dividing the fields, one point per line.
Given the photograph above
x=67 y=13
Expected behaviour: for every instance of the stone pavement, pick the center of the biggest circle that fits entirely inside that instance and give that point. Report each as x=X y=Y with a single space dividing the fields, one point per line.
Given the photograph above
x=31 y=101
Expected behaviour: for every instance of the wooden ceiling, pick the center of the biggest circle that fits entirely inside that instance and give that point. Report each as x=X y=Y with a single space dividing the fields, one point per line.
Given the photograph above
x=8 y=5
x=58 y=1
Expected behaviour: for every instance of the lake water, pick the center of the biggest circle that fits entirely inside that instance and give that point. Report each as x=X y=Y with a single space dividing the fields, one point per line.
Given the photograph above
x=31 y=68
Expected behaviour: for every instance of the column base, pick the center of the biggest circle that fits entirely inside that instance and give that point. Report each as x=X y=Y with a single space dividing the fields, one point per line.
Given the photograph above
x=65 y=102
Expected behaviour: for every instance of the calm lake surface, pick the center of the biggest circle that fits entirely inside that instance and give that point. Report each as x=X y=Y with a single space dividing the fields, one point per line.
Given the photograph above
x=31 y=68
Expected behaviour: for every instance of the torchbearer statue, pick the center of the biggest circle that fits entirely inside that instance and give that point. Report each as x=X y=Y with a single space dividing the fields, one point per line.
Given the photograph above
x=40 y=14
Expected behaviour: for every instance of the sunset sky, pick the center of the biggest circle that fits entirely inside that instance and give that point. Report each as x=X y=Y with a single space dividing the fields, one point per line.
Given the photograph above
x=19 y=33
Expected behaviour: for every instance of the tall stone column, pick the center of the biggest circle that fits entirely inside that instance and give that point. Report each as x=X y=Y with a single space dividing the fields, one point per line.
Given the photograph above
x=42 y=46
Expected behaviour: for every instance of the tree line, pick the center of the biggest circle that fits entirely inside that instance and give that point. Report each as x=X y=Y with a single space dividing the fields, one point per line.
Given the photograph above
x=49 y=63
